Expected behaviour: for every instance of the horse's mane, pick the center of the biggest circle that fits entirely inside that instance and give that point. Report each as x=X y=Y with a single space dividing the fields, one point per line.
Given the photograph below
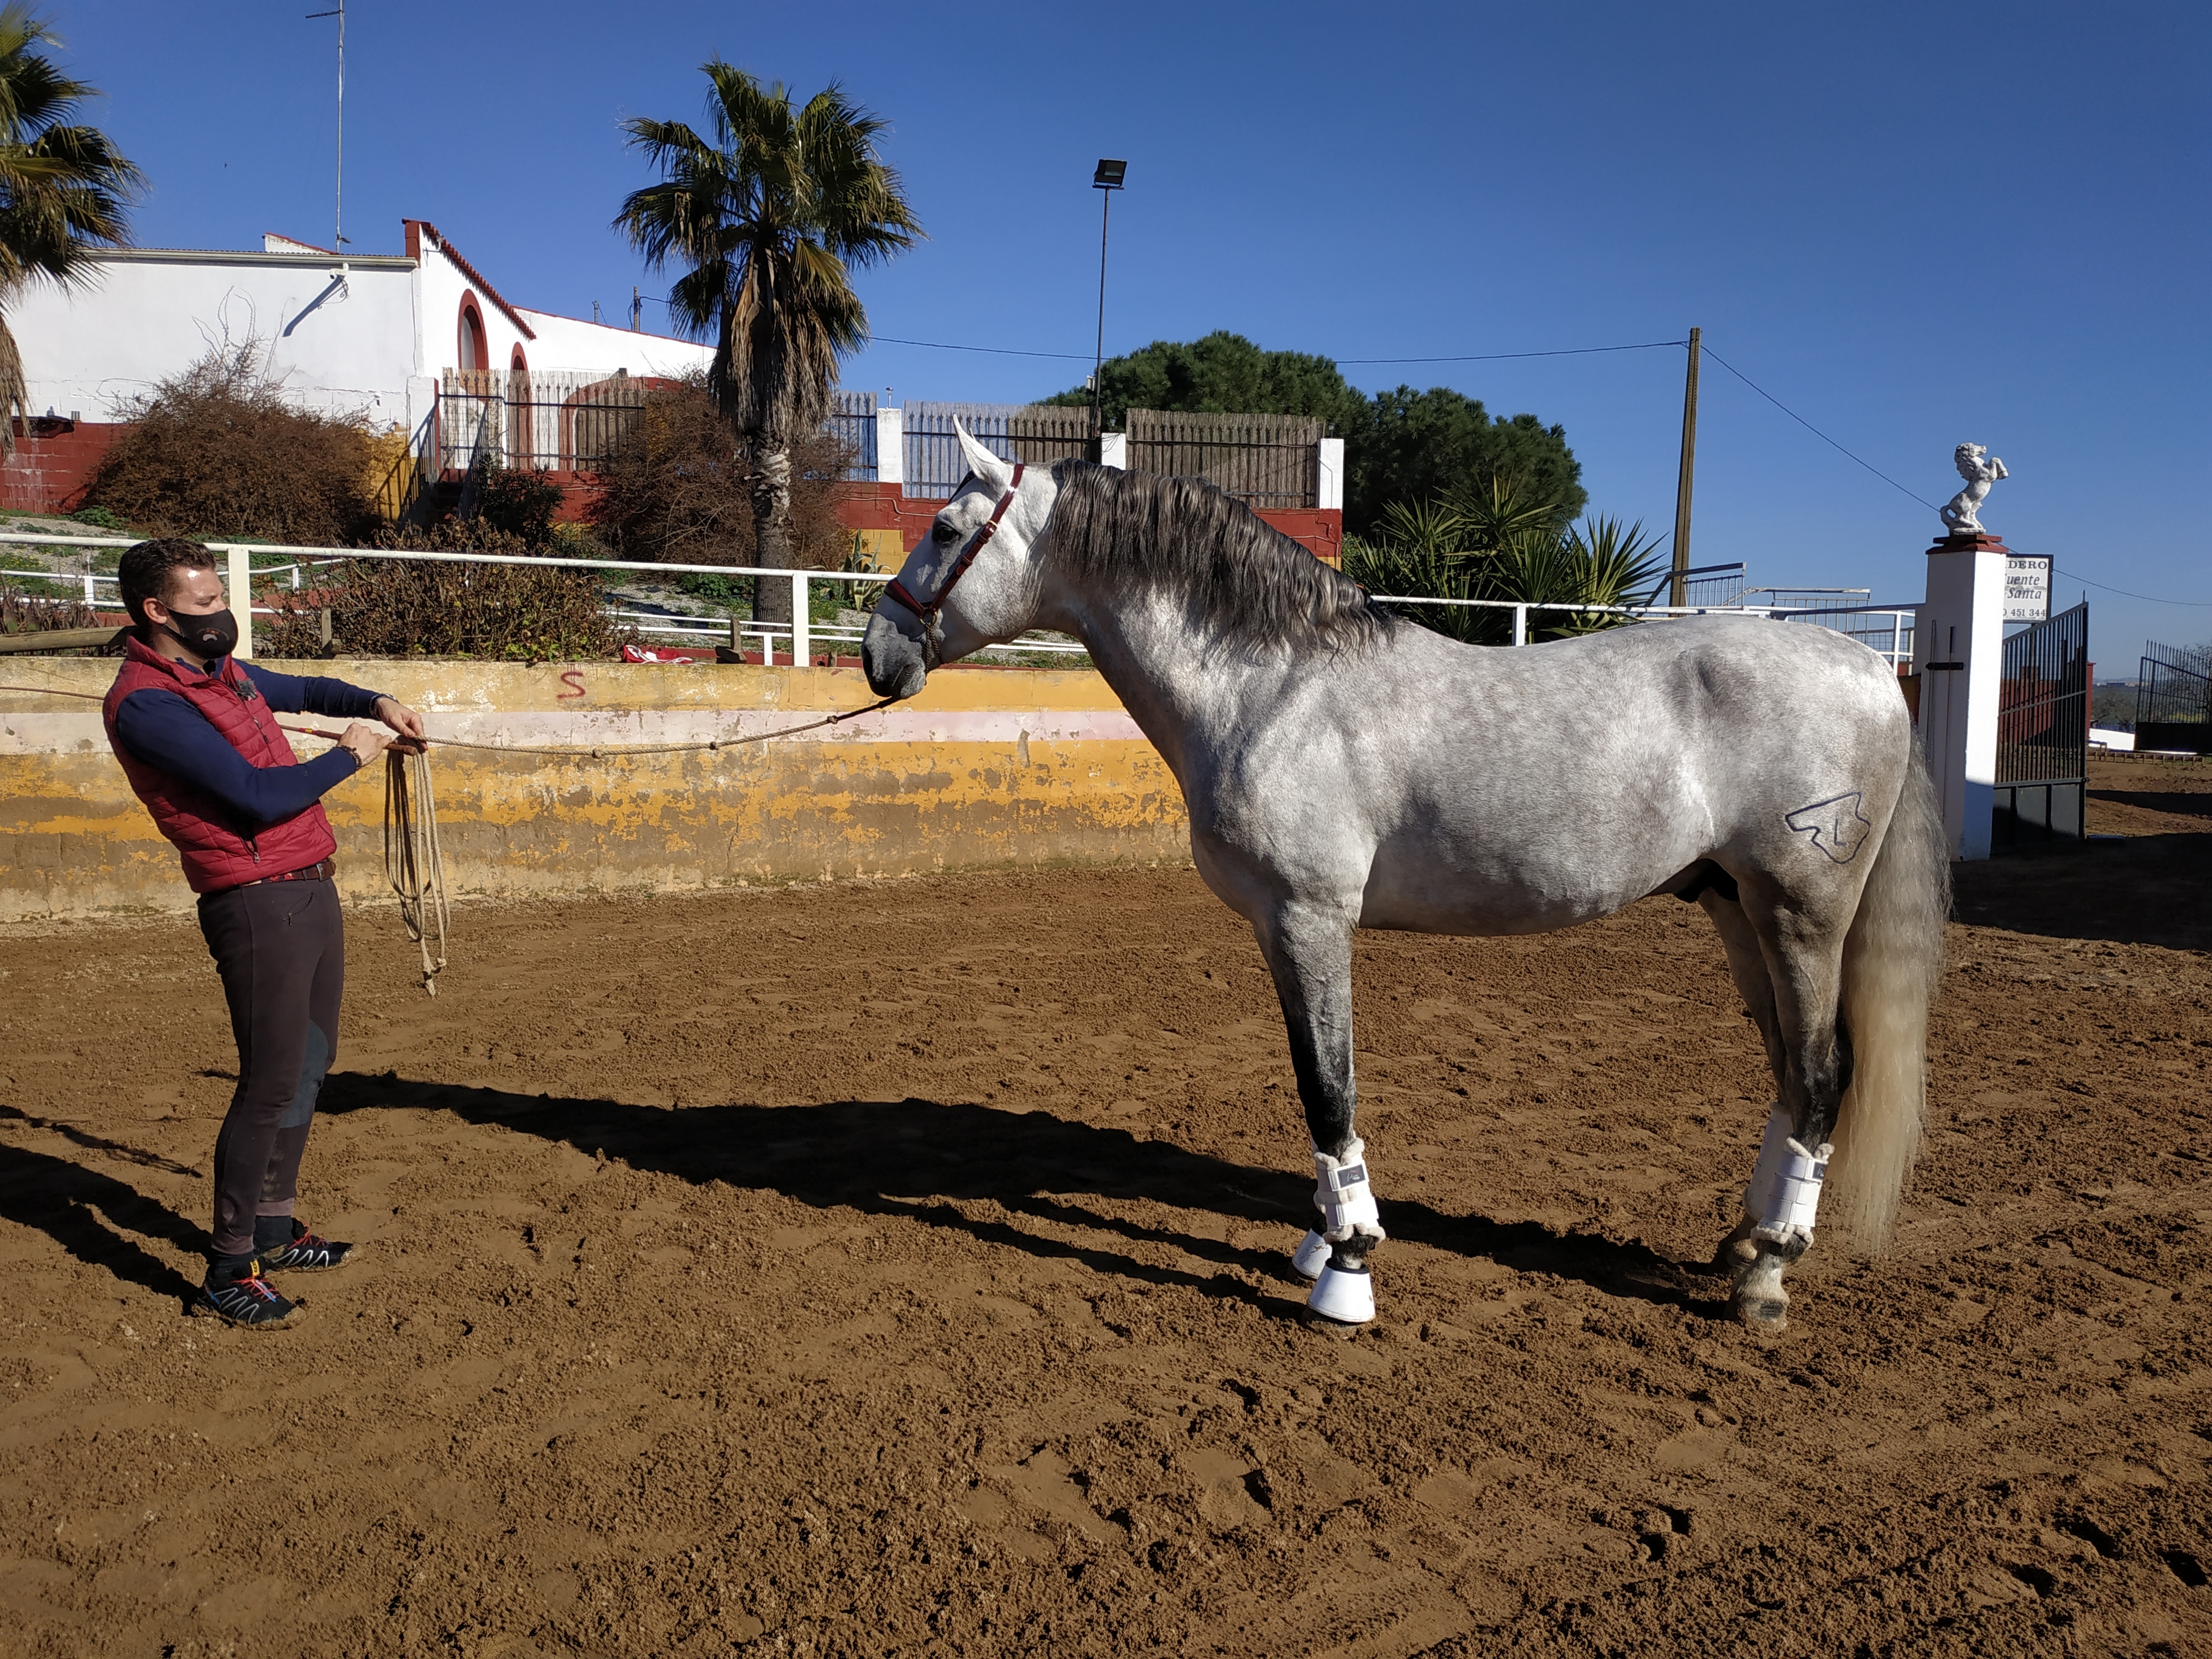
x=1239 y=573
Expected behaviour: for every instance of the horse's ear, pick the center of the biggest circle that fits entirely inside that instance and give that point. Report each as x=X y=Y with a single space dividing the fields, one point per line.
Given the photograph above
x=982 y=462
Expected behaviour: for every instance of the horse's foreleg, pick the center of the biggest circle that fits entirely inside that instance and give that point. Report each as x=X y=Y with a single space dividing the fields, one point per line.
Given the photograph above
x=1309 y=950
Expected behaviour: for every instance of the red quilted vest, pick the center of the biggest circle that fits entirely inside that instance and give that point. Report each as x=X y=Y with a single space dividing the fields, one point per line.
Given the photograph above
x=217 y=855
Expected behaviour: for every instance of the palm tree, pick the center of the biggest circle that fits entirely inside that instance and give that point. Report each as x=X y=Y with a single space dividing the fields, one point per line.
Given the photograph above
x=64 y=189
x=770 y=210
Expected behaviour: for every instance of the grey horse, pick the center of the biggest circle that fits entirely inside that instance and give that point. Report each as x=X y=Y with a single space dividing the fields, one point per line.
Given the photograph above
x=1344 y=768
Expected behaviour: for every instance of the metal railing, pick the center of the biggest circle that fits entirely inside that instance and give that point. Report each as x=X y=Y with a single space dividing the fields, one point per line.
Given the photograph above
x=1886 y=630
x=1038 y=434
x=2173 y=699
x=852 y=422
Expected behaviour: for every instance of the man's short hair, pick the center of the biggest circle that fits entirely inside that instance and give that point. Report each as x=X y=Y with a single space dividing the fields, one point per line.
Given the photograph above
x=148 y=569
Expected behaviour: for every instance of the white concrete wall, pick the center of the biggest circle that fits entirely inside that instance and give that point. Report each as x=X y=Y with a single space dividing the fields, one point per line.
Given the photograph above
x=151 y=313
x=353 y=349
x=601 y=348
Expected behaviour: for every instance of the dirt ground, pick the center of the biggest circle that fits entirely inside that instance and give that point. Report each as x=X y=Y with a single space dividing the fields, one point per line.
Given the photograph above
x=901 y=1269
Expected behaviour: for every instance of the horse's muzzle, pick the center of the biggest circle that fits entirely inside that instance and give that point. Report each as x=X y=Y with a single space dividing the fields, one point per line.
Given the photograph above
x=893 y=662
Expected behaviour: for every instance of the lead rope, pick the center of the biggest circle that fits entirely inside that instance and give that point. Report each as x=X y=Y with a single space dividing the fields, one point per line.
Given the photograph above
x=414 y=861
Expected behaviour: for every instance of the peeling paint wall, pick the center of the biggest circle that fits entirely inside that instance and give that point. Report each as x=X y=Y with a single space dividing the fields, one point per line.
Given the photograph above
x=988 y=768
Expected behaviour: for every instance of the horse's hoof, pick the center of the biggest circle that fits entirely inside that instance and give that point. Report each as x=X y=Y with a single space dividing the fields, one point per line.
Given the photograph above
x=1347 y=1297
x=1767 y=1314
x=1311 y=1255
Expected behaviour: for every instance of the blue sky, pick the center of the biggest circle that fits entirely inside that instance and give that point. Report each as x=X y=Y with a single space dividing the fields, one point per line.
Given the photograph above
x=1913 y=224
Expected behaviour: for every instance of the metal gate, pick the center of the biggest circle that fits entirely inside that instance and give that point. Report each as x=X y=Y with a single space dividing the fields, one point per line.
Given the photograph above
x=2043 y=733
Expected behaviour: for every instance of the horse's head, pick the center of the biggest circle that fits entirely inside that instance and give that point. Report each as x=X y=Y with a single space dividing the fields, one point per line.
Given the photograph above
x=970 y=583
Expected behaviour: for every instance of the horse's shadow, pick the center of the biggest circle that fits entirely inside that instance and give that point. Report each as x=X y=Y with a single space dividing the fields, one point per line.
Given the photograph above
x=922 y=1159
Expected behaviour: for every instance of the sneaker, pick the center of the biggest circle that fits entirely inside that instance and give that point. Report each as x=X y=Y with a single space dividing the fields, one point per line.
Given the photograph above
x=250 y=1302
x=307 y=1253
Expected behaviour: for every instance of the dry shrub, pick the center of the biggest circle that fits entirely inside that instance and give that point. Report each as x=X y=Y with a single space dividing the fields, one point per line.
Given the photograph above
x=24 y=612
x=401 y=608
x=217 y=452
x=674 y=490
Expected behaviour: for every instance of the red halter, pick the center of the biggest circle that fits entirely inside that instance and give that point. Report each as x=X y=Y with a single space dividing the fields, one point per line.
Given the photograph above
x=932 y=632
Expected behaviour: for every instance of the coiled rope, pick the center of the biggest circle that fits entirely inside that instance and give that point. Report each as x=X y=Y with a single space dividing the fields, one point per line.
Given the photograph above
x=414 y=860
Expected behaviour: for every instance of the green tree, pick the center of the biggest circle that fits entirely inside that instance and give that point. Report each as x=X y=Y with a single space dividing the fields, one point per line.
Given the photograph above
x=1222 y=373
x=64 y=189
x=1412 y=446
x=770 y=211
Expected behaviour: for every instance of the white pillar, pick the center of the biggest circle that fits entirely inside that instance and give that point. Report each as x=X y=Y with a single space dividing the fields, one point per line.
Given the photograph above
x=1113 y=450
x=890 y=445
x=802 y=639
x=1331 y=495
x=241 y=601
x=1958 y=649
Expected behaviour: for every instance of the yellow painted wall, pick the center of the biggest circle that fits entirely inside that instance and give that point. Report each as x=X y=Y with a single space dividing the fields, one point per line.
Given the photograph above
x=988 y=768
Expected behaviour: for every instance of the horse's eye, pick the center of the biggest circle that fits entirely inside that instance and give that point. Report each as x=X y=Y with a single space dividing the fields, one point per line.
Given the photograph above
x=943 y=533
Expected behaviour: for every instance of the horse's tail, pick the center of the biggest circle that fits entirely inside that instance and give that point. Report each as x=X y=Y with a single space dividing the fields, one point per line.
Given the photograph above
x=1893 y=958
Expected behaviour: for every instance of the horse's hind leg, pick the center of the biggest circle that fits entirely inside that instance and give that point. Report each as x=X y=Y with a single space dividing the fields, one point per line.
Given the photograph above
x=1309 y=951
x=1801 y=941
x=1746 y=961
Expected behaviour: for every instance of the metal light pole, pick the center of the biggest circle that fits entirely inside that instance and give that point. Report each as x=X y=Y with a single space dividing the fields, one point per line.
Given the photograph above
x=1107 y=180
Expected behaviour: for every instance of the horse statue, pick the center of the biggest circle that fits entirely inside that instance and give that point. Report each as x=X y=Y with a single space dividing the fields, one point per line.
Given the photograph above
x=1344 y=768
x=1961 y=514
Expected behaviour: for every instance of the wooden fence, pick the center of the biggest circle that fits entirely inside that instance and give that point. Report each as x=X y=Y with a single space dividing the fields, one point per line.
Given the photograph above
x=1263 y=460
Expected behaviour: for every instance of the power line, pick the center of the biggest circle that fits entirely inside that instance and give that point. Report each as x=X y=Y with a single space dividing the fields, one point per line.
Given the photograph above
x=1815 y=430
x=2194 y=605
x=1502 y=357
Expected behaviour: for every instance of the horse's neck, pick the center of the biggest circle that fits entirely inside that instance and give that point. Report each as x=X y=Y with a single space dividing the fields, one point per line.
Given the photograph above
x=1174 y=679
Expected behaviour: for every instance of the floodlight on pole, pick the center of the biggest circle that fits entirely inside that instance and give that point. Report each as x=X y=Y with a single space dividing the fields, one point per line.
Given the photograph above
x=1106 y=180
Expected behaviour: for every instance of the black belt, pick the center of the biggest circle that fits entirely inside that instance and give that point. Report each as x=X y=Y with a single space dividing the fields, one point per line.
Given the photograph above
x=326 y=871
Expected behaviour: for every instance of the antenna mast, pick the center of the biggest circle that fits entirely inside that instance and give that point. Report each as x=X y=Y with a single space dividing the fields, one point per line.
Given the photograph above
x=338 y=212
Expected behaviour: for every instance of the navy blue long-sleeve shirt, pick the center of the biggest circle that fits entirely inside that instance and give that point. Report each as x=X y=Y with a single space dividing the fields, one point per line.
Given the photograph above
x=165 y=732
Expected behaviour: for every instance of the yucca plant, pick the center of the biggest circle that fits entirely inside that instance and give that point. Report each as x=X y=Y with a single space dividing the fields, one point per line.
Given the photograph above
x=1504 y=545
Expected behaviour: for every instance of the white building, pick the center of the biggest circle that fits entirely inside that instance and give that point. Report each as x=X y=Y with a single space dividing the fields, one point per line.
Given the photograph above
x=371 y=335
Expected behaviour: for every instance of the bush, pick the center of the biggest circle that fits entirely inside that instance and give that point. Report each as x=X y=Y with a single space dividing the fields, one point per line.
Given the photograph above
x=1503 y=545
x=24 y=612
x=400 y=608
x=673 y=490
x=217 y=452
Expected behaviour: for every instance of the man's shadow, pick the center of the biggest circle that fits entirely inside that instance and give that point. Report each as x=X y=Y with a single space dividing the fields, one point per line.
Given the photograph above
x=919 y=1159
x=85 y=1212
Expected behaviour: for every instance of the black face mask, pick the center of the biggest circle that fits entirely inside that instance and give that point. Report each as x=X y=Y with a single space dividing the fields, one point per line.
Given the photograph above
x=211 y=635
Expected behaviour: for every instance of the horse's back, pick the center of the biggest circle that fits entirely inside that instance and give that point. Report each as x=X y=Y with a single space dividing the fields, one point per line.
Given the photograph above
x=1528 y=789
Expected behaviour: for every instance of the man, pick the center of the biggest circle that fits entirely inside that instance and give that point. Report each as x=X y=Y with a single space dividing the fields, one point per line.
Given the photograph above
x=196 y=733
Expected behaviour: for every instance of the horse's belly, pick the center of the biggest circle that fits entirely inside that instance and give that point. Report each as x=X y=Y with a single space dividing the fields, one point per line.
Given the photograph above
x=1442 y=890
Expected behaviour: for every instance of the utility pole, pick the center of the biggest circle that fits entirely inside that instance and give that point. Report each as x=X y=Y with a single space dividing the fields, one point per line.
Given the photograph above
x=1106 y=180
x=636 y=312
x=337 y=220
x=1680 y=594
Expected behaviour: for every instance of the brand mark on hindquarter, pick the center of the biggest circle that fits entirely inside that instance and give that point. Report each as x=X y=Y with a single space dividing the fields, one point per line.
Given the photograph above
x=1836 y=826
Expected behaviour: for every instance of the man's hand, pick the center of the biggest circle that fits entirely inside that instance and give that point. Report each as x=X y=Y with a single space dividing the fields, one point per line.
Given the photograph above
x=364 y=742
x=399 y=717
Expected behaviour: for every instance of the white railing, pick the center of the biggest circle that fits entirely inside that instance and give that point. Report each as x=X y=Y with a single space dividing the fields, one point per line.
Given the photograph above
x=1895 y=621
x=802 y=632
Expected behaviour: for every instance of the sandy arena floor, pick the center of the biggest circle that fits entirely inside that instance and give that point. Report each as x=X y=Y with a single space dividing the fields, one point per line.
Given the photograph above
x=901 y=1269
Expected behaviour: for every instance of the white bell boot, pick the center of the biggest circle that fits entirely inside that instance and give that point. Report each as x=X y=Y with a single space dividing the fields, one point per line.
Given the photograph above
x=1346 y=1298
x=1311 y=1255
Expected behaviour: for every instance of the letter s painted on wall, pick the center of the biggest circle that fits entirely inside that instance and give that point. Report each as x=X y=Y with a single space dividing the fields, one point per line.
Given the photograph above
x=574 y=677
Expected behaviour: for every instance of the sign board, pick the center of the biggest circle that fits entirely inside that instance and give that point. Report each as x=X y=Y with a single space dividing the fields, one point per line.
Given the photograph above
x=2027 y=589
